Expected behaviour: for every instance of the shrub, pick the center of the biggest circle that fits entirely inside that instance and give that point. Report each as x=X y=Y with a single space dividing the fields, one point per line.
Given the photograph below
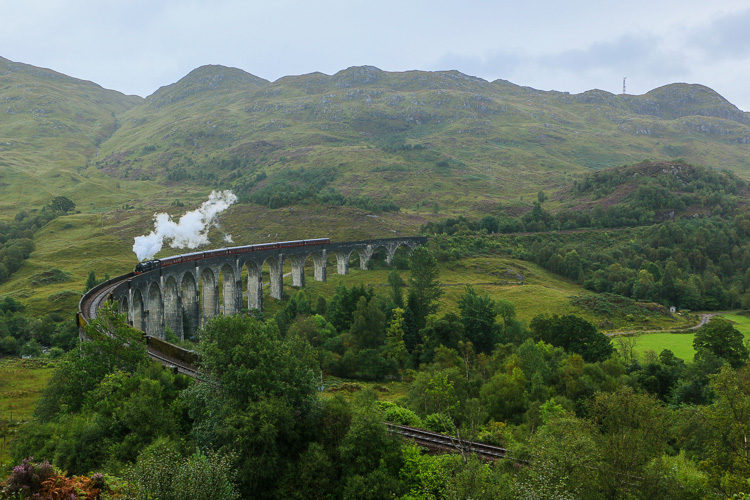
x=27 y=478
x=402 y=416
x=163 y=473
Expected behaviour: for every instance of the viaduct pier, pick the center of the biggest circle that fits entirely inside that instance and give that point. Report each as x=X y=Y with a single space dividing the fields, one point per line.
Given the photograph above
x=183 y=292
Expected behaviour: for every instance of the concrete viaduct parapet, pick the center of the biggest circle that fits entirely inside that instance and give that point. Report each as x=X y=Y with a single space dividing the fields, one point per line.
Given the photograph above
x=182 y=297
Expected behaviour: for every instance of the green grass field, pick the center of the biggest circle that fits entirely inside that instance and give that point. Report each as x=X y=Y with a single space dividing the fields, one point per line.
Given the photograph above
x=681 y=344
x=386 y=390
x=21 y=384
x=541 y=292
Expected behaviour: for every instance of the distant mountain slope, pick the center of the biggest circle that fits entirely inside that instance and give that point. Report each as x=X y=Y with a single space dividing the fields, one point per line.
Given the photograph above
x=39 y=104
x=435 y=144
x=413 y=137
x=50 y=127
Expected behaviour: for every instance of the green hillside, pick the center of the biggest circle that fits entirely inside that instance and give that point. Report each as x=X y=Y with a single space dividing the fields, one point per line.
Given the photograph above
x=51 y=126
x=362 y=153
x=551 y=218
x=414 y=138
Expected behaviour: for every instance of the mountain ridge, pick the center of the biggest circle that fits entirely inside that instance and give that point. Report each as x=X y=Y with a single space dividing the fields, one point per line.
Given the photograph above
x=415 y=137
x=467 y=130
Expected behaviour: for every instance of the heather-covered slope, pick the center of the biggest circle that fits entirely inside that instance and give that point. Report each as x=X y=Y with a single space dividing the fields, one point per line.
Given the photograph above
x=416 y=138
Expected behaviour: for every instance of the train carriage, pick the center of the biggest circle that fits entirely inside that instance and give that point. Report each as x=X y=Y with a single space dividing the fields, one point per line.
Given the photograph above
x=150 y=265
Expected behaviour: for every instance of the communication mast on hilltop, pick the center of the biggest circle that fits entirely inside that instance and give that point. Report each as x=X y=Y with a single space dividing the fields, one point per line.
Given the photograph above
x=623 y=84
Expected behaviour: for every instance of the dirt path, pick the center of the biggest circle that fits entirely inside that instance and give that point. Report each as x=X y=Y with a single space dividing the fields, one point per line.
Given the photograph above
x=705 y=318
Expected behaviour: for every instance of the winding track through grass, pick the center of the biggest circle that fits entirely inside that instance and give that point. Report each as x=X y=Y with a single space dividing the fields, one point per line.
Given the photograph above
x=680 y=342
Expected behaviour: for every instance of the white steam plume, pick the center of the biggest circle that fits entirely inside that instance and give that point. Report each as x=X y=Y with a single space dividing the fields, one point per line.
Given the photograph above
x=190 y=232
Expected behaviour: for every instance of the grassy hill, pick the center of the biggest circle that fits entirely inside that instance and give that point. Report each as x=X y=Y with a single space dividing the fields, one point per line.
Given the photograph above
x=325 y=150
x=532 y=290
x=417 y=138
x=51 y=126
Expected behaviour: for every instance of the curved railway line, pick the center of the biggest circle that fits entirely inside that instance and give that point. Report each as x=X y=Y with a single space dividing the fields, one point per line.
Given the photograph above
x=93 y=300
x=173 y=363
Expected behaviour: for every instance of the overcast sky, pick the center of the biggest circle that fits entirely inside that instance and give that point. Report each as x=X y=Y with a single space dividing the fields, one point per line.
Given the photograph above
x=137 y=46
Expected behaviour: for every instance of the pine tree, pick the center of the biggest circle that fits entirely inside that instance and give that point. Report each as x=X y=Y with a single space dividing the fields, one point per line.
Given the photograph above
x=424 y=286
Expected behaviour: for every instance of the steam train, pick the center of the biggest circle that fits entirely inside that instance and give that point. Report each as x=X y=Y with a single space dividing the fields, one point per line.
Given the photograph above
x=150 y=265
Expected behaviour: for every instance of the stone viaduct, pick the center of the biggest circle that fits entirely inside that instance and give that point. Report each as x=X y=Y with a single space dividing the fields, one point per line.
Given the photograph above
x=184 y=296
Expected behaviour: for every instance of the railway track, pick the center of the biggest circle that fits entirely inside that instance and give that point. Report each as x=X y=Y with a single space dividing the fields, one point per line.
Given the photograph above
x=173 y=363
x=434 y=441
x=93 y=300
x=443 y=443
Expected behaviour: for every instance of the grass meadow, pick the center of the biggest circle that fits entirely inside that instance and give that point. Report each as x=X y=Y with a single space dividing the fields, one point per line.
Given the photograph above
x=21 y=384
x=681 y=344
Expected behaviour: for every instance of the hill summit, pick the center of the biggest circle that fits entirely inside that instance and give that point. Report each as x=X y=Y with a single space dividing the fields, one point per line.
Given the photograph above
x=412 y=139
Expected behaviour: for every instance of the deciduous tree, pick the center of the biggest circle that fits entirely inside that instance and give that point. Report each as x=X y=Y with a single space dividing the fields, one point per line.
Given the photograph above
x=723 y=340
x=574 y=334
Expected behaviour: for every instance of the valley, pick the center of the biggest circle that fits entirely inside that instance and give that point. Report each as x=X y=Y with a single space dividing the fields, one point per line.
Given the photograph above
x=552 y=221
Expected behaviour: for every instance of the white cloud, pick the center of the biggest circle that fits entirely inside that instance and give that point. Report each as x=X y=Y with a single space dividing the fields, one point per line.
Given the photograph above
x=140 y=45
x=724 y=37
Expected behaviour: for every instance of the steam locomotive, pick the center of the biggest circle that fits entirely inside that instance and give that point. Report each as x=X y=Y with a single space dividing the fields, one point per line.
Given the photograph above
x=150 y=265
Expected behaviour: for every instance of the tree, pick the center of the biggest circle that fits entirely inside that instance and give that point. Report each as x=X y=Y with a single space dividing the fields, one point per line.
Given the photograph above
x=9 y=345
x=424 y=285
x=645 y=287
x=563 y=455
x=627 y=345
x=397 y=288
x=110 y=345
x=260 y=396
x=249 y=360
x=478 y=315
x=574 y=334
x=313 y=478
x=315 y=329
x=162 y=473
x=490 y=224
x=343 y=303
x=367 y=450
x=727 y=441
x=395 y=348
x=62 y=204
x=723 y=340
x=504 y=395
x=632 y=430
x=436 y=391
x=446 y=331
x=90 y=281
x=368 y=325
x=31 y=349
x=10 y=305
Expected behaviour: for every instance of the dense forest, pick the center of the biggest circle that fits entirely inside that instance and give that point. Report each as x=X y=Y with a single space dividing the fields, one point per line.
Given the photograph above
x=679 y=237
x=581 y=419
x=583 y=415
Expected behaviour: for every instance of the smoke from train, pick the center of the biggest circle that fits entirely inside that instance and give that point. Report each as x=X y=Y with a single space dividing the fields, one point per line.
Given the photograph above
x=191 y=231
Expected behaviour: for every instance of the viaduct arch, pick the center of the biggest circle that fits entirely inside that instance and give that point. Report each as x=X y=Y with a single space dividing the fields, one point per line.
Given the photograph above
x=183 y=296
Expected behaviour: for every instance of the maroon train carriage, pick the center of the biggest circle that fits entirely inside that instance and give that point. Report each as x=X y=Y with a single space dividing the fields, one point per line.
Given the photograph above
x=179 y=259
x=150 y=265
x=291 y=244
x=318 y=241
